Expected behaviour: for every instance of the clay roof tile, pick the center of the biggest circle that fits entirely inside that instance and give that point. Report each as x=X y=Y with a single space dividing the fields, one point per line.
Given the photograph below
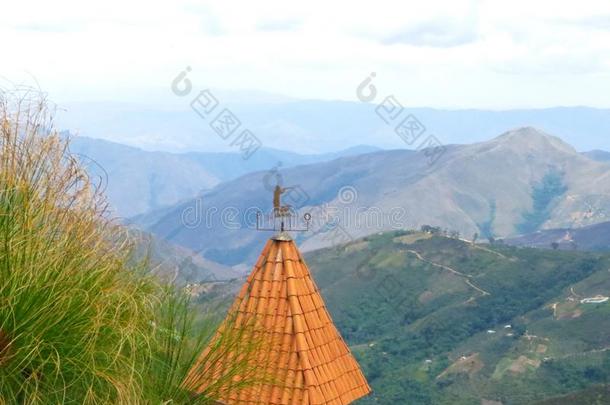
x=302 y=356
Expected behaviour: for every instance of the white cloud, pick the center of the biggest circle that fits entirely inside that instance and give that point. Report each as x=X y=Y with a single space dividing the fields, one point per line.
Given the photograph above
x=463 y=53
x=442 y=33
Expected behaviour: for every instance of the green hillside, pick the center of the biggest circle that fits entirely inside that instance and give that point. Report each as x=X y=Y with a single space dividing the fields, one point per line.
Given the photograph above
x=428 y=318
x=595 y=395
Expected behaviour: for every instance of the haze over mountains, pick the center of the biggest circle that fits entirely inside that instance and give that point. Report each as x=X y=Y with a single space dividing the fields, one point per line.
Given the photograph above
x=138 y=181
x=314 y=126
x=519 y=182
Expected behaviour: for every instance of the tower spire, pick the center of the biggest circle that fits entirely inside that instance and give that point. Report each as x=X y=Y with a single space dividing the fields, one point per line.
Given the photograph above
x=301 y=358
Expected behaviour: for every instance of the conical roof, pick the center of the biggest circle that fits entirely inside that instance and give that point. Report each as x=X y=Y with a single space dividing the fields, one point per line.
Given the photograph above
x=302 y=354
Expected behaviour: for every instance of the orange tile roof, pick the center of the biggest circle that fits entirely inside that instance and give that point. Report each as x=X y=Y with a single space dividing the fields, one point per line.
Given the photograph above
x=301 y=350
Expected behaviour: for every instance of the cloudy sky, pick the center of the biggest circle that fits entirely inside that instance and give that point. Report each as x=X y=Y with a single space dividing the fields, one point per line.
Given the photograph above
x=456 y=54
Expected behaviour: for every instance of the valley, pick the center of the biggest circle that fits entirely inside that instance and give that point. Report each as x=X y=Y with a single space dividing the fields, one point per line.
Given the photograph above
x=516 y=313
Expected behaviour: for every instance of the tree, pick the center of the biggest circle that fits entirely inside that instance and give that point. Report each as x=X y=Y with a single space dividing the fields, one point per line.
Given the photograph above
x=475 y=237
x=555 y=245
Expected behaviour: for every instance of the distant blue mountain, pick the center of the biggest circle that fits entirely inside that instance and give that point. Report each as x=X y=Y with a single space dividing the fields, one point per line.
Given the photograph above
x=599 y=155
x=323 y=126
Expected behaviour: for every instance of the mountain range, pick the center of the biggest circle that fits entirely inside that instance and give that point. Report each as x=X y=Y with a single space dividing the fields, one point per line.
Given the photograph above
x=138 y=181
x=315 y=126
x=517 y=183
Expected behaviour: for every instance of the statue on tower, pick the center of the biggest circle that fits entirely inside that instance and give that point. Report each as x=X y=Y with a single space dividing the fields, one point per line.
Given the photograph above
x=280 y=210
x=283 y=217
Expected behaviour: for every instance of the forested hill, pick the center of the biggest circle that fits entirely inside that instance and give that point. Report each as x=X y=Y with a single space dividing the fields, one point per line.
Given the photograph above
x=435 y=320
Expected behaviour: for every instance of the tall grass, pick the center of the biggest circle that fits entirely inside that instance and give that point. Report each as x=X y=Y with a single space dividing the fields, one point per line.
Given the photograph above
x=78 y=322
